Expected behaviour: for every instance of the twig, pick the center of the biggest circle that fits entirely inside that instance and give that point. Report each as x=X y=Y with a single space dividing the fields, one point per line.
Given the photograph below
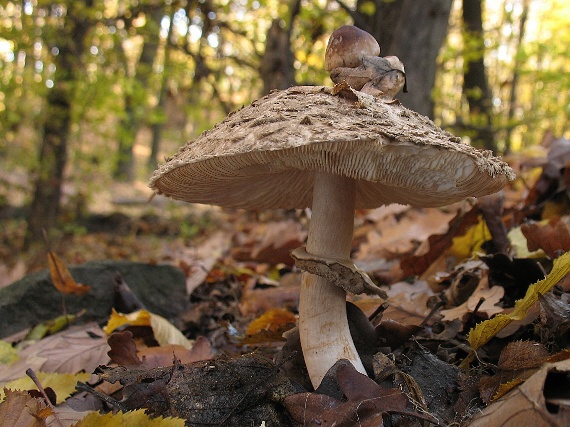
x=30 y=373
x=101 y=396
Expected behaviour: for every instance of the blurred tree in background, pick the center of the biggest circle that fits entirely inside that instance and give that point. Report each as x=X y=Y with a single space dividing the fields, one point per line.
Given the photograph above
x=95 y=91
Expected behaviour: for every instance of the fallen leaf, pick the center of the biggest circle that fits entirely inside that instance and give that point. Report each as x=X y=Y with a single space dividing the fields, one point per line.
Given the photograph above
x=132 y=418
x=401 y=235
x=552 y=238
x=259 y=300
x=438 y=243
x=19 y=409
x=270 y=326
x=73 y=350
x=543 y=400
x=486 y=330
x=62 y=384
x=517 y=362
x=491 y=296
x=198 y=261
x=164 y=331
x=408 y=302
x=8 y=354
x=52 y=326
x=365 y=405
x=62 y=278
x=124 y=352
x=123 y=349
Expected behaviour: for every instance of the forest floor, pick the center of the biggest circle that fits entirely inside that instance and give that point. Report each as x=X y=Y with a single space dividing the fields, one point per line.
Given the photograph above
x=444 y=270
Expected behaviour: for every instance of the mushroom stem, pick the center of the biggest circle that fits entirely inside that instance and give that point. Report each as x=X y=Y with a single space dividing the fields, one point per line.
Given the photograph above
x=323 y=325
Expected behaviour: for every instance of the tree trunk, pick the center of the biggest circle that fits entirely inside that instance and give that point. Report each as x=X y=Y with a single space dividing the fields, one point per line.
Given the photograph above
x=136 y=98
x=475 y=86
x=70 y=43
x=413 y=31
x=277 y=70
x=157 y=126
x=515 y=78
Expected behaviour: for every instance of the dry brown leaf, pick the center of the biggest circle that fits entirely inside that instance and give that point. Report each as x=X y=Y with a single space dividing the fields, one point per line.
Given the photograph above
x=270 y=243
x=365 y=405
x=278 y=241
x=393 y=236
x=198 y=261
x=543 y=400
x=62 y=278
x=408 y=302
x=165 y=354
x=438 y=242
x=519 y=355
x=258 y=300
x=19 y=409
x=552 y=238
x=491 y=297
x=9 y=275
x=73 y=350
x=517 y=362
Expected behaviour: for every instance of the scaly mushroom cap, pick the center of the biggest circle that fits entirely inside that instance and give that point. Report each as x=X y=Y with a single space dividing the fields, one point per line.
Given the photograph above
x=264 y=156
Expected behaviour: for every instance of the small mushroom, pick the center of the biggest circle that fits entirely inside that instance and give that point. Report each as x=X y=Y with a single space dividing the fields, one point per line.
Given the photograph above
x=351 y=58
x=349 y=152
x=347 y=46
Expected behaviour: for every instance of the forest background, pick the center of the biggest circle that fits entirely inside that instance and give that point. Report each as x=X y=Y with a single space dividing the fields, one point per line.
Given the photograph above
x=95 y=93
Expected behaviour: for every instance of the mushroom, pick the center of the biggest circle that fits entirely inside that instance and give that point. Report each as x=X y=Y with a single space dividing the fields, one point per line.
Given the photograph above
x=333 y=150
x=347 y=46
x=352 y=56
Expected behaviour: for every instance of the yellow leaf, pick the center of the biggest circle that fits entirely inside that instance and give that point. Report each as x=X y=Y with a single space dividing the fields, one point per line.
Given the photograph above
x=270 y=326
x=484 y=331
x=62 y=384
x=62 y=278
x=272 y=320
x=8 y=354
x=164 y=332
x=118 y=320
x=519 y=244
x=134 y=418
x=52 y=326
x=470 y=243
x=506 y=387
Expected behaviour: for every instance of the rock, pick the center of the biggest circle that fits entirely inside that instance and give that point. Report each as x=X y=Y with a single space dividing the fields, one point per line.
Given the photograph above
x=33 y=299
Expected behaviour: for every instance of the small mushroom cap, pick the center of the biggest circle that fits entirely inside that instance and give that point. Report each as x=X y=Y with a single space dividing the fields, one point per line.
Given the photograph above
x=347 y=45
x=265 y=155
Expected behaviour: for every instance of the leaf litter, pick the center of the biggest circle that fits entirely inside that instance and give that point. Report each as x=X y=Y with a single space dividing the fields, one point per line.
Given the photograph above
x=475 y=329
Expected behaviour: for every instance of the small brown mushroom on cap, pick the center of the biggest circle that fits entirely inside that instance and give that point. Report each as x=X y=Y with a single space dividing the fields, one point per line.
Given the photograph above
x=312 y=147
x=347 y=46
x=352 y=56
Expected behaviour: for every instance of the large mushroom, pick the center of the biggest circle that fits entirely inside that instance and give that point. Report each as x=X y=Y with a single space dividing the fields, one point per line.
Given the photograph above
x=333 y=150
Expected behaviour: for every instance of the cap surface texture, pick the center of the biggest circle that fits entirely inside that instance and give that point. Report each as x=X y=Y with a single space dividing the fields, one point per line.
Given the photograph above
x=264 y=156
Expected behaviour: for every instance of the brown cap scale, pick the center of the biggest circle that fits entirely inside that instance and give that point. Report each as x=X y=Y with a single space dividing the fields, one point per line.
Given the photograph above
x=307 y=147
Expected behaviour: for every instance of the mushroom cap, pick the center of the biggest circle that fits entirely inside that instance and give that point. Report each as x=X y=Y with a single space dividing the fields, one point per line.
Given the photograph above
x=347 y=45
x=265 y=155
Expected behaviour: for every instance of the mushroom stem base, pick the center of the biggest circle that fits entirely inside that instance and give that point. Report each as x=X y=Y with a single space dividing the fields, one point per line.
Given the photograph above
x=323 y=325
